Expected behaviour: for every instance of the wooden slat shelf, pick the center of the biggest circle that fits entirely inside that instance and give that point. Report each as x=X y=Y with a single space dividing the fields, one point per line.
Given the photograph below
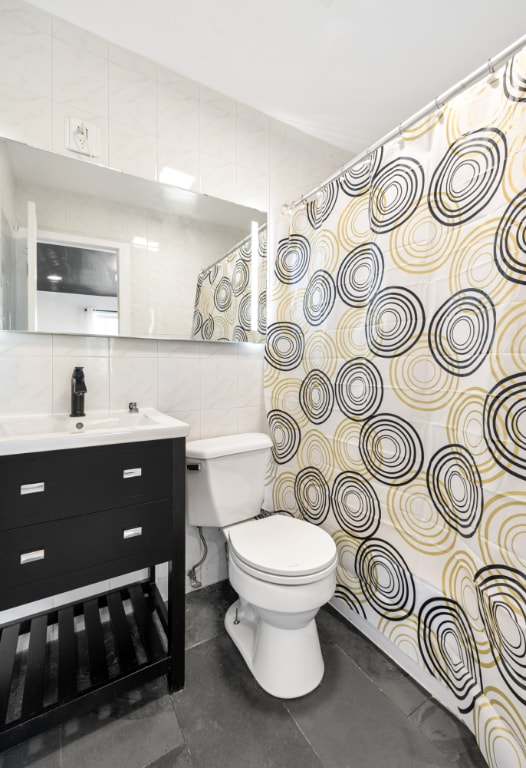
x=125 y=633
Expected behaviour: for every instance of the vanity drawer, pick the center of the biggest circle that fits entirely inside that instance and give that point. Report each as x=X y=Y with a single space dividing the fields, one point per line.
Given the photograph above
x=134 y=473
x=37 y=553
x=46 y=486
x=37 y=487
x=144 y=531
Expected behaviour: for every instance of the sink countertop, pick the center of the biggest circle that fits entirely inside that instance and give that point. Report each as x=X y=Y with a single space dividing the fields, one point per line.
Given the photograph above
x=50 y=432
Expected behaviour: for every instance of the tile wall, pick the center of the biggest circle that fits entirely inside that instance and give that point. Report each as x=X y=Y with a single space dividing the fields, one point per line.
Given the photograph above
x=149 y=118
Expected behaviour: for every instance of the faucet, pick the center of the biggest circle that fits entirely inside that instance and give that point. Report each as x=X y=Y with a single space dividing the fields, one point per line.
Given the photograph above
x=78 y=390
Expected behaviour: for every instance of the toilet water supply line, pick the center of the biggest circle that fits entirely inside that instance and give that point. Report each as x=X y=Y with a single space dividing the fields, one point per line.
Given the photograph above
x=194 y=581
x=437 y=105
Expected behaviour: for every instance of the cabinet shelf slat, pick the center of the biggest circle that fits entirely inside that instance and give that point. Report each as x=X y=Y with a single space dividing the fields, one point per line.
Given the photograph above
x=36 y=667
x=121 y=633
x=67 y=654
x=147 y=628
x=98 y=665
x=8 y=643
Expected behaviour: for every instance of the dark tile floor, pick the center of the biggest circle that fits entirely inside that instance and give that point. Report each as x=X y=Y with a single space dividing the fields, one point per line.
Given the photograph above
x=366 y=713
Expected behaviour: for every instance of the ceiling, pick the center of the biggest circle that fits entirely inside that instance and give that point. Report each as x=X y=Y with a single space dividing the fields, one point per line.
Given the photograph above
x=346 y=71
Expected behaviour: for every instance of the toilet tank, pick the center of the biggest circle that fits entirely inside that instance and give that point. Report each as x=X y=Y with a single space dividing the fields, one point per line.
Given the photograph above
x=225 y=478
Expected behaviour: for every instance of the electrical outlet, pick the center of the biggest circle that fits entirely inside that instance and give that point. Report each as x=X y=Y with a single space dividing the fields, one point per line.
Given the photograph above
x=82 y=137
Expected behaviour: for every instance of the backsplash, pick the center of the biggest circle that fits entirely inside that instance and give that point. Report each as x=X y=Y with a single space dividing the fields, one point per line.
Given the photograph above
x=213 y=387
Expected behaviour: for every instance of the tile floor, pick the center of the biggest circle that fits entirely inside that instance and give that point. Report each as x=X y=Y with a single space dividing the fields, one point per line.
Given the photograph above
x=366 y=713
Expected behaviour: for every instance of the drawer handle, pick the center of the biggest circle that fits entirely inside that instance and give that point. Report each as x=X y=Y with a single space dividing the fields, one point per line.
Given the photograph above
x=131 y=533
x=31 y=557
x=135 y=472
x=32 y=488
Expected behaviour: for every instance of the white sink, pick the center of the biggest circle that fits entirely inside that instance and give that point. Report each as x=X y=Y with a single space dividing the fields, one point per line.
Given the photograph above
x=28 y=433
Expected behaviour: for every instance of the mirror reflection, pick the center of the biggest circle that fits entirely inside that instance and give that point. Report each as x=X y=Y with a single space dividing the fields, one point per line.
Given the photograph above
x=87 y=249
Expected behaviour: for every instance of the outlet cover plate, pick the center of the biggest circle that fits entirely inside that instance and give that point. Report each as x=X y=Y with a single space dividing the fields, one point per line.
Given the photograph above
x=82 y=137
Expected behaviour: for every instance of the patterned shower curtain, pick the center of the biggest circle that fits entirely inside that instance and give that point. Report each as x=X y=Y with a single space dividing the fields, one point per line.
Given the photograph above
x=395 y=384
x=224 y=295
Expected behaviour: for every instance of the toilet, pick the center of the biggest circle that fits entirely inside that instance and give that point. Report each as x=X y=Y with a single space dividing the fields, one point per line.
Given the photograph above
x=283 y=569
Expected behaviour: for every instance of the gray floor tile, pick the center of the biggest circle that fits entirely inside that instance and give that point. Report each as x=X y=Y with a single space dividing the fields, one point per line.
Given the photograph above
x=452 y=737
x=379 y=668
x=42 y=751
x=376 y=665
x=351 y=724
x=470 y=759
x=177 y=758
x=205 y=612
x=133 y=731
x=228 y=721
x=404 y=693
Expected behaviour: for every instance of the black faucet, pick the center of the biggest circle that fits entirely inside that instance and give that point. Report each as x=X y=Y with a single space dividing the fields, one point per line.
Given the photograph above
x=78 y=390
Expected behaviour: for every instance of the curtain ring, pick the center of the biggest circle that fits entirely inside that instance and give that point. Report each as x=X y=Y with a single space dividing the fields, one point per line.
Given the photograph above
x=492 y=78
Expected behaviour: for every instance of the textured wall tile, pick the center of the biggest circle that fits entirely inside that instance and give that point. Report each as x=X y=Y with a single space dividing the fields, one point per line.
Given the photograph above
x=218 y=177
x=133 y=151
x=25 y=58
x=133 y=380
x=26 y=117
x=178 y=388
x=77 y=36
x=217 y=132
x=132 y=99
x=26 y=384
x=80 y=78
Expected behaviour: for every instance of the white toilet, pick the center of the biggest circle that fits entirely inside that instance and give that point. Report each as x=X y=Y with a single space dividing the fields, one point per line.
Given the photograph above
x=283 y=569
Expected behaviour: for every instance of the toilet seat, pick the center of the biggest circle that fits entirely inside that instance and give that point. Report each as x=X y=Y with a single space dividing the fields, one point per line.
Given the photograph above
x=282 y=550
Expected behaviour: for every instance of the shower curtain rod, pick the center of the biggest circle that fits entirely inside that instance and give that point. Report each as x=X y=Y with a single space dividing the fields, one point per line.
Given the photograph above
x=435 y=105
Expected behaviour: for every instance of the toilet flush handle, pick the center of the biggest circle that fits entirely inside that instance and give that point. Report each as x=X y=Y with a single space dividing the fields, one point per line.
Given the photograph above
x=194 y=467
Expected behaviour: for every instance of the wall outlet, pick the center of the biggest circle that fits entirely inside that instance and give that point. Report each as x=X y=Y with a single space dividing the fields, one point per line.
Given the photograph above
x=82 y=137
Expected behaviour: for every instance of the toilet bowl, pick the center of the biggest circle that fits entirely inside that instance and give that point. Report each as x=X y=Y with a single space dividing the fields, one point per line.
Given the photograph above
x=282 y=568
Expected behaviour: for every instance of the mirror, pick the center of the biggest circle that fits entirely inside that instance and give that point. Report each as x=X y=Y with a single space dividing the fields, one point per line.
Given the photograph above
x=88 y=249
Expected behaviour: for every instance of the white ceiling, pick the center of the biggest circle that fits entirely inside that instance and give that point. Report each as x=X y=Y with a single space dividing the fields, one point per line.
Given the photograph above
x=347 y=71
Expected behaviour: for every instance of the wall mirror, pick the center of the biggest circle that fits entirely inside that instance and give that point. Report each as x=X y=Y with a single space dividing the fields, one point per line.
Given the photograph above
x=91 y=250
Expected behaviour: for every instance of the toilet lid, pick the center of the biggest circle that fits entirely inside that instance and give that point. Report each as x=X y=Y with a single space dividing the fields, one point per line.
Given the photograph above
x=282 y=545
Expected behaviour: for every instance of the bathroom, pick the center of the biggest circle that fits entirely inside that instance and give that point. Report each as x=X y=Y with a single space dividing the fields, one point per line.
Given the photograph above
x=145 y=114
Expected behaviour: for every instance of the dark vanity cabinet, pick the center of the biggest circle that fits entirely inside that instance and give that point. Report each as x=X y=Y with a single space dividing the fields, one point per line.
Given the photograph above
x=72 y=518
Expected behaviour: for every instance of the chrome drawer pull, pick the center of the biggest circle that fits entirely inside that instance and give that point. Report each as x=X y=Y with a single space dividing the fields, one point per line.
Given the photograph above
x=135 y=472
x=130 y=533
x=32 y=488
x=31 y=557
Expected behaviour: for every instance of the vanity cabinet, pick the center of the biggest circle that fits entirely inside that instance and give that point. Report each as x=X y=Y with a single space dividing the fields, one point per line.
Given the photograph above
x=68 y=519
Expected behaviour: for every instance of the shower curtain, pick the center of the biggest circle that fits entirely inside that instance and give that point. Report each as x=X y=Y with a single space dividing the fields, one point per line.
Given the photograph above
x=395 y=385
x=225 y=300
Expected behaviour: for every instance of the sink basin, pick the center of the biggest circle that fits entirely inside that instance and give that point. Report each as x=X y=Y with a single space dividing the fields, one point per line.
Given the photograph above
x=28 y=433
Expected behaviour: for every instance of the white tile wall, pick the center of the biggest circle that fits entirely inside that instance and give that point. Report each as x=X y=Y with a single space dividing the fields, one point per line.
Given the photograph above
x=149 y=117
